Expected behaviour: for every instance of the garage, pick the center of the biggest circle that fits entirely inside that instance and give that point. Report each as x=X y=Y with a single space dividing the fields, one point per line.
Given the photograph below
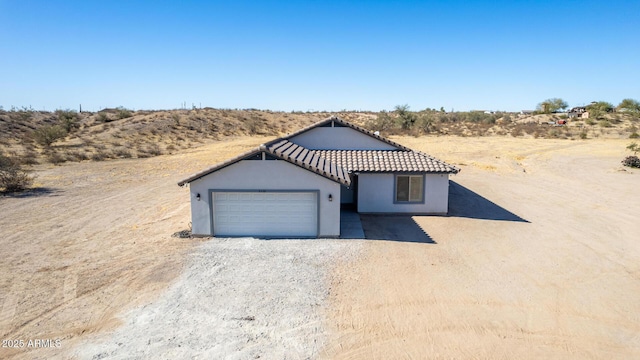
x=265 y=213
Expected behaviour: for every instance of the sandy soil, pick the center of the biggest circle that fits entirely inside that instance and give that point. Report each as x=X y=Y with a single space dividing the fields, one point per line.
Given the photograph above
x=540 y=258
x=95 y=241
x=237 y=299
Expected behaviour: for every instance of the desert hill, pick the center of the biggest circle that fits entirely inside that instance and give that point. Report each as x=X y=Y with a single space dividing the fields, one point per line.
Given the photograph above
x=122 y=133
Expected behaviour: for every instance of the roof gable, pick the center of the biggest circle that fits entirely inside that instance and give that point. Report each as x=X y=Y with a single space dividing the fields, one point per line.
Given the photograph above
x=336 y=164
x=287 y=151
x=332 y=134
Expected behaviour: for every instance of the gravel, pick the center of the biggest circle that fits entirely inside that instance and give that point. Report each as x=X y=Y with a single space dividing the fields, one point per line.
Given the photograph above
x=236 y=299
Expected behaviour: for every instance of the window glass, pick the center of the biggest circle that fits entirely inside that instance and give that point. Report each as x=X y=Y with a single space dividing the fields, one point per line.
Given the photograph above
x=415 y=188
x=402 y=188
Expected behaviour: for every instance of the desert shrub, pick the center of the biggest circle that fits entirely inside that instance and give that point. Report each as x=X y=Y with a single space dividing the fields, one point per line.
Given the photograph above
x=23 y=114
x=383 y=122
x=604 y=123
x=68 y=119
x=426 y=123
x=634 y=135
x=56 y=158
x=77 y=156
x=171 y=147
x=154 y=150
x=124 y=113
x=99 y=155
x=122 y=153
x=553 y=133
x=590 y=122
x=103 y=117
x=631 y=161
x=142 y=153
x=176 y=118
x=13 y=177
x=47 y=135
x=583 y=134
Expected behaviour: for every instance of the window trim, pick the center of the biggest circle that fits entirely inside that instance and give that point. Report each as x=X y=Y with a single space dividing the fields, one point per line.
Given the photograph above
x=395 y=188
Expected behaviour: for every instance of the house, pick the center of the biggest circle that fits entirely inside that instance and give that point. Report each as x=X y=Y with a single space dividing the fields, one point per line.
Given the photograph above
x=295 y=186
x=578 y=112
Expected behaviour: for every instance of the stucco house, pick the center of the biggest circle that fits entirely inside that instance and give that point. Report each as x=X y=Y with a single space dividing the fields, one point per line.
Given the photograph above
x=294 y=186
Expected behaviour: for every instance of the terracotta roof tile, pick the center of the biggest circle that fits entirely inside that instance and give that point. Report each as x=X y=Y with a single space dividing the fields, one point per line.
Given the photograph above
x=386 y=161
x=309 y=159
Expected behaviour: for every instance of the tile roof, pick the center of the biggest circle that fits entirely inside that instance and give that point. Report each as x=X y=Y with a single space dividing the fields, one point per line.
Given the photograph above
x=337 y=164
x=290 y=152
x=386 y=161
x=309 y=159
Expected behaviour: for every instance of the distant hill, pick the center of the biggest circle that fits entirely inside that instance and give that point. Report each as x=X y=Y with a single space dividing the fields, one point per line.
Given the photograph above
x=121 y=133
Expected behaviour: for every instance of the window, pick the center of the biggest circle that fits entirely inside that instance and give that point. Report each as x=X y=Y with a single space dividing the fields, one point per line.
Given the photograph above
x=409 y=188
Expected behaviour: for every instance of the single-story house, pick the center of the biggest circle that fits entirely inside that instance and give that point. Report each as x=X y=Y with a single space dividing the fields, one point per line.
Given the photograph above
x=578 y=112
x=294 y=186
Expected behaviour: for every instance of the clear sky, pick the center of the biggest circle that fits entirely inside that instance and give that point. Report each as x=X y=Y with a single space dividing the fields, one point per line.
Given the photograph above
x=317 y=55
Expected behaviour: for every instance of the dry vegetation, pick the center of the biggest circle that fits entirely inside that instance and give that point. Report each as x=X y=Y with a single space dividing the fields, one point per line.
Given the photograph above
x=33 y=137
x=29 y=137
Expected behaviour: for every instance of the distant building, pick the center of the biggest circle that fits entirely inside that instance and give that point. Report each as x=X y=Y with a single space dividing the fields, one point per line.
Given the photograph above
x=579 y=112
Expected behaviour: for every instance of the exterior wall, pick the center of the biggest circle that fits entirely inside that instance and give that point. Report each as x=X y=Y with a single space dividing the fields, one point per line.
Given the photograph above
x=265 y=175
x=338 y=138
x=376 y=194
x=346 y=195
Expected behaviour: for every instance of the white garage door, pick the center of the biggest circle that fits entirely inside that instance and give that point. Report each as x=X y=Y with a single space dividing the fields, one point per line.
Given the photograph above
x=265 y=213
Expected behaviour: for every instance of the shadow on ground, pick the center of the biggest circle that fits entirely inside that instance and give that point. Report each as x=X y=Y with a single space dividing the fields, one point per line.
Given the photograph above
x=468 y=204
x=37 y=192
x=395 y=228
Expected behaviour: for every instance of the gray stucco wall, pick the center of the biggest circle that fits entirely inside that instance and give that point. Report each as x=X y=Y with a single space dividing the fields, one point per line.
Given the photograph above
x=376 y=193
x=265 y=175
x=346 y=195
x=338 y=138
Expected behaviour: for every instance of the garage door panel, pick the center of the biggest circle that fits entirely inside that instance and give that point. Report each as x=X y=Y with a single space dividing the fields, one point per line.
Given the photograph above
x=265 y=213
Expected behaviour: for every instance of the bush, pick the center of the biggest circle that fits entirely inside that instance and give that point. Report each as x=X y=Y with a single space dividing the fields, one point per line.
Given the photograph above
x=124 y=113
x=604 y=123
x=631 y=161
x=583 y=135
x=55 y=158
x=68 y=119
x=77 y=156
x=103 y=117
x=12 y=177
x=176 y=118
x=99 y=155
x=634 y=135
x=154 y=150
x=122 y=153
x=47 y=135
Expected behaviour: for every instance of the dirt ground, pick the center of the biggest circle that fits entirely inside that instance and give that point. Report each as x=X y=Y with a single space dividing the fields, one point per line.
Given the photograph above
x=539 y=258
x=93 y=242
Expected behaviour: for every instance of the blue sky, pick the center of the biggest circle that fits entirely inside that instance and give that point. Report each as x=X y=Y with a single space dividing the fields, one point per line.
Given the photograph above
x=317 y=55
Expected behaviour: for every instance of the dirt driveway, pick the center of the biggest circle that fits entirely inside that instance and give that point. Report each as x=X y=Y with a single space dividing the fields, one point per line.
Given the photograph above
x=539 y=258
